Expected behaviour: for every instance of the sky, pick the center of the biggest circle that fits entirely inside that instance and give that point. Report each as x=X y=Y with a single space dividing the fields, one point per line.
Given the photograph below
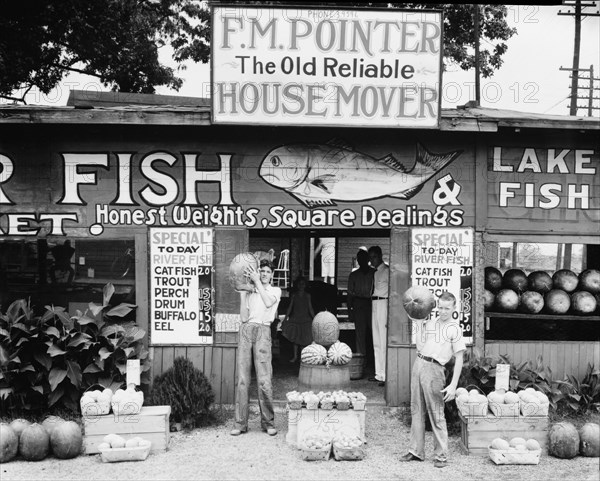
x=530 y=80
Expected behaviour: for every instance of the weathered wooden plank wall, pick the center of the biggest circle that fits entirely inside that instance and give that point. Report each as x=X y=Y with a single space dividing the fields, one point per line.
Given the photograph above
x=563 y=357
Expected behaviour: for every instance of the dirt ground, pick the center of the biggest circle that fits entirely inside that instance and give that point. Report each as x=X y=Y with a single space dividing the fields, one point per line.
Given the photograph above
x=212 y=454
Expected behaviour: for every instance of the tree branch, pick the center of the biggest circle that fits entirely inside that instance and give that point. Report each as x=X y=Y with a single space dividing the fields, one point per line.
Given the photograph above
x=14 y=99
x=76 y=70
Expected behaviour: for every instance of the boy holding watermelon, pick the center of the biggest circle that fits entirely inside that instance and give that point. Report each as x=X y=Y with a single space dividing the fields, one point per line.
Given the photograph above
x=257 y=311
x=438 y=340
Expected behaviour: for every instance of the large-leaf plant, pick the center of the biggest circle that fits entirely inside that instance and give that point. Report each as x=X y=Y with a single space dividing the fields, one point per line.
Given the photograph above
x=49 y=360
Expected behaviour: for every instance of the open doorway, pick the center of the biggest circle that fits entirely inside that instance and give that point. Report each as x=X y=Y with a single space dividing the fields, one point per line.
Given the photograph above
x=325 y=258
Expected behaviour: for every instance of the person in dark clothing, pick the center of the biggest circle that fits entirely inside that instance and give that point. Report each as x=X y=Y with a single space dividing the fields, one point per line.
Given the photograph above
x=360 y=283
x=62 y=261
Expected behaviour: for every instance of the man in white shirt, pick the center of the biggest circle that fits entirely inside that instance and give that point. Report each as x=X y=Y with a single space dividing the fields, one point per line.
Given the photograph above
x=257 y=311
x=437 y=341
x=379 y=298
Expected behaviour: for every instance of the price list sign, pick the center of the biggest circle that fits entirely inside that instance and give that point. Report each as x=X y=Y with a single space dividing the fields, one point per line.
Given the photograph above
x=442 y=260
x=181 y=286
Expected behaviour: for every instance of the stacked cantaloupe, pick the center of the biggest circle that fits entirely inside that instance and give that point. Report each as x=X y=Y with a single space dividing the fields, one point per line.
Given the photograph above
x=471 y=403
x=96 y=403
x=516 y=444
x=115 y=441
x=533 y=402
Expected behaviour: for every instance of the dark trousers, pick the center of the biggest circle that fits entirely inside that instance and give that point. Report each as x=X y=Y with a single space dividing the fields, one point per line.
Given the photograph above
x=361 y=315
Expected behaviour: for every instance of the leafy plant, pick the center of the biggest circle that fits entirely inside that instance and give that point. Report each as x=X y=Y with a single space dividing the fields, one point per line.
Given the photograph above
x=49 y=360
x=583 y=396
x=187 y=390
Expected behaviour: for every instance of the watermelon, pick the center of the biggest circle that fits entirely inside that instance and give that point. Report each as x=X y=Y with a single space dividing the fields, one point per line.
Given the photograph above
x=488 y=300
x=531 y=302
x=51 y=422
x=325 y=328
x=563 y=441
x=237 y=268
x=9 y=443
x=492 y=279
x=418 y=302
x=589 y=280
x=66 y=440
x=557 y=301
x=339 y=354
x=516 y=280
x=539 y=281
x=582 y=302
x=589 y=436
x=566 y=280
x=507 y=300
x=314 y=354
x=34 y=443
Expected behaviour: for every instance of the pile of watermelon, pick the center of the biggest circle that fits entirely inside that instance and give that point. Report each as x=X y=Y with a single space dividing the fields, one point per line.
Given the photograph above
x=563 y=292
x=33 y=441
x=565 y=441
x=326 y=347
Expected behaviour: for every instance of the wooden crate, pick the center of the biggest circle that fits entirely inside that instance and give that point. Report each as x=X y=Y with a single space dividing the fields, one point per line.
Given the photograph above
x=477 y=433
x=152 y=423
x=330 y=420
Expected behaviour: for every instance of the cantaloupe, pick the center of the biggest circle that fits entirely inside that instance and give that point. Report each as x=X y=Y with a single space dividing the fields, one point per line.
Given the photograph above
x=532 y=445
x=500 y=443
x=132 y=443
x=461 y=390
x=51 y=422
x=516 y=441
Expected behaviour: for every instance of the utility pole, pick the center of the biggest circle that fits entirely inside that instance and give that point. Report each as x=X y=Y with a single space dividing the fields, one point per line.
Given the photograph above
x=476 y=24
x=578 y=5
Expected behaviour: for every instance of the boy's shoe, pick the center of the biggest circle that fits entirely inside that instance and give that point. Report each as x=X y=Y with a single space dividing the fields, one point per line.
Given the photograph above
x=236 y=432
x=409 y=457
x=271 y=431
x=440 y=464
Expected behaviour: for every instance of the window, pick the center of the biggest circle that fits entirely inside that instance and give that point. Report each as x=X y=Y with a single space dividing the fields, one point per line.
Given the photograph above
x=66 y=272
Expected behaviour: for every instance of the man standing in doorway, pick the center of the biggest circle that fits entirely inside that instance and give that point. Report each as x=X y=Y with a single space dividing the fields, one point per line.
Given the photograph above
x=379 y=299
x=257 y=311
x=360 y=283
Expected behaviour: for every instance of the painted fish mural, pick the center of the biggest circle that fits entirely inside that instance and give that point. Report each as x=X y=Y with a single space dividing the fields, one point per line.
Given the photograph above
x=321 y=174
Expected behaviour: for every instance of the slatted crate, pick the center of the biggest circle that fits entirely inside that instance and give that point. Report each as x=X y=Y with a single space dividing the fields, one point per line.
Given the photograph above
x=478 y=432
x=151 y=423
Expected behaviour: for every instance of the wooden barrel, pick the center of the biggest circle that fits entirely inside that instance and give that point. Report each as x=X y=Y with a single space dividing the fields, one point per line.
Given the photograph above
x=357 y=365
x=321 y=378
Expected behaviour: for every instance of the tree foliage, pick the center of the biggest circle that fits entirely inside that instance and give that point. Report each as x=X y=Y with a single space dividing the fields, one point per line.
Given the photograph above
x=118 y=41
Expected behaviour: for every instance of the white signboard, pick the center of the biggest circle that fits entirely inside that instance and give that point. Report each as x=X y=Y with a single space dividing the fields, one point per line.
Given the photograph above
x=374 y=68
x=442 y=260
x=181 y=286
x=133 y=372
